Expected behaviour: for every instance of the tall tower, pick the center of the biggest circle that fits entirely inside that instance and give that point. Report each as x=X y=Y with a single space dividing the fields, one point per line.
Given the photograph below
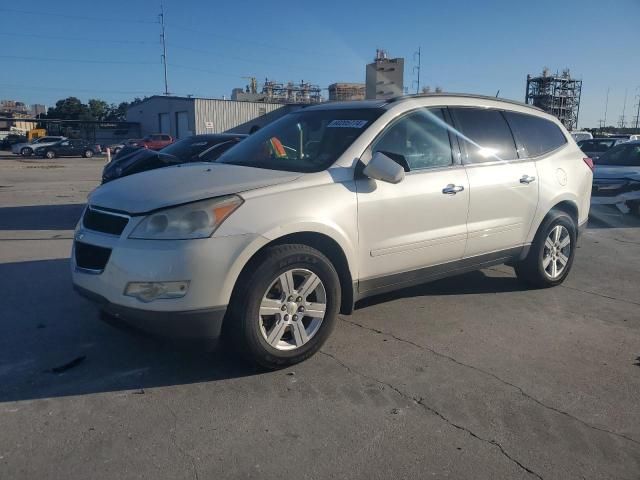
x=385 y=76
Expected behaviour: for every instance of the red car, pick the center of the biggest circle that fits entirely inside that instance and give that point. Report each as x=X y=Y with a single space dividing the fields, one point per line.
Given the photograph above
x=156 y=141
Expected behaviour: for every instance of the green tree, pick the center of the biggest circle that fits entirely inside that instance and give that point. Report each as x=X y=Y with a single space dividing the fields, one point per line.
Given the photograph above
x=98 y=109
x=70 y=108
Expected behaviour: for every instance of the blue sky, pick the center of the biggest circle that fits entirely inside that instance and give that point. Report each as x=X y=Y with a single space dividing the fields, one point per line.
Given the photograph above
x=111 y=50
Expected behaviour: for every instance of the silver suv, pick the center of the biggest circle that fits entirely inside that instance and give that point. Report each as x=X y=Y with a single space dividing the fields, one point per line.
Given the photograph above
x=326 y=206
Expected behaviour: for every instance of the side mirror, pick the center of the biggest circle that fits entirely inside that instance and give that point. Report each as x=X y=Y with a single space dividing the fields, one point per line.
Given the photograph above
x=383 y=168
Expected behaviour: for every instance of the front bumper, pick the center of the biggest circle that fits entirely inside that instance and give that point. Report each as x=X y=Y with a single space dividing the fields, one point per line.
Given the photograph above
x=209 y=265
x=190 y=324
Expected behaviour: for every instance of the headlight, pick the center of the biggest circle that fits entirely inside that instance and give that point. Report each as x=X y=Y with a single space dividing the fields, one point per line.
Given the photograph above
x=194 y=220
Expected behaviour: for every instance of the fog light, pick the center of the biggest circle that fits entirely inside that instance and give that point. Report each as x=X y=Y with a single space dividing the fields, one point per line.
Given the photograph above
x=150 y=291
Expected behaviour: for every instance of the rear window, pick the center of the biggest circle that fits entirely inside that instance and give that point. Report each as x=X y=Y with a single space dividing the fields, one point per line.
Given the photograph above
x=486 y=137
x=625 y=155
x=537 y=135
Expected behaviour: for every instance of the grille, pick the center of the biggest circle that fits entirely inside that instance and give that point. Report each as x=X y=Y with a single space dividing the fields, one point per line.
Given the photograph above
x=91 y=257
x=105 y=222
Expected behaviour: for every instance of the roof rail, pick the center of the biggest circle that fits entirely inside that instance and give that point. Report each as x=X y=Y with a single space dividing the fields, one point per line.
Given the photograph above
x=463 y=95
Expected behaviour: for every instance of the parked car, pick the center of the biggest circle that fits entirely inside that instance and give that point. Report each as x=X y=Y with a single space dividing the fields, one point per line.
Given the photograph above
x=68 y=148
x=117 y=147
x=27 y=149
x=617 y=177
x=156 y=141
x=597 y=146
x=581 y=135
x=198 y=148
x=331 y=204
x=7 y=142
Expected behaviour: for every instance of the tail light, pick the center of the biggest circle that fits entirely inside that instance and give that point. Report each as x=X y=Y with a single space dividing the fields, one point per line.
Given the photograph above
x=589 y=163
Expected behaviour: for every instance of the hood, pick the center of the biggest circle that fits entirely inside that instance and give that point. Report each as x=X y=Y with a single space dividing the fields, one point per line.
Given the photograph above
x=604 y=172
x=180 y=184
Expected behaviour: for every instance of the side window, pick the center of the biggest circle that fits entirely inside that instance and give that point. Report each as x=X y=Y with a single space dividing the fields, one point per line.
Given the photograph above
x=485 y=135
x=421 y=137
x=65 y=143
x=537 y=135
x=166 y=137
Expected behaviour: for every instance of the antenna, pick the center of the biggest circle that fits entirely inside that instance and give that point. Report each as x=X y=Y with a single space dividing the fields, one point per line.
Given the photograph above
x=163 y=40
x=417 y=68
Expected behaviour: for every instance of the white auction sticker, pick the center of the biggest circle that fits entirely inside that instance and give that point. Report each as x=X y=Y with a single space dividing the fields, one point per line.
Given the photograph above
x=347 y=123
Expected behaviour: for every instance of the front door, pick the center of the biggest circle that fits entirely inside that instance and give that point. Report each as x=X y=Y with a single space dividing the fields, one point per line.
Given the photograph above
x=421 y=221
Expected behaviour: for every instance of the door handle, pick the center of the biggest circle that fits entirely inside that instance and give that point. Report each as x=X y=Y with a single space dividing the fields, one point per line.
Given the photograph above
x=527 y=179
x=452 y=189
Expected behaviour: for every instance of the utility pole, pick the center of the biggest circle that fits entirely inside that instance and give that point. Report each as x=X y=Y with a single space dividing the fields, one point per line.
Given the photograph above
x=622 y=123
x=417 y=68
x=606 y=107
x=164 y=48
x=637 y=126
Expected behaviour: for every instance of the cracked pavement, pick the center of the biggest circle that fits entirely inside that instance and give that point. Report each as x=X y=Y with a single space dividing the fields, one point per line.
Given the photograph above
x=474 y=376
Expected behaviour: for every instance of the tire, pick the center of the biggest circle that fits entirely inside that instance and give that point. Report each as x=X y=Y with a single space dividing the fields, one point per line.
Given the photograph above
x=634 y=207
x=547 y=249
x=26 y=152
x=278 y=338
x=88 y=154
x=116 y=151
x=50 y=154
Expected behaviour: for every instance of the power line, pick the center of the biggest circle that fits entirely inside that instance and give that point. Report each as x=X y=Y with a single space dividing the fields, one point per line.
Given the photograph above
x=72 y=60
x=252 y=61
x=269 y=46
x=78 y=39
x=74 y=89
x=76 y=17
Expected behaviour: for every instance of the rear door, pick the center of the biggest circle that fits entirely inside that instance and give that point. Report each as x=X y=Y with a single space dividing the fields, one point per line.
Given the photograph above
x=405 y=229
x=503 y=184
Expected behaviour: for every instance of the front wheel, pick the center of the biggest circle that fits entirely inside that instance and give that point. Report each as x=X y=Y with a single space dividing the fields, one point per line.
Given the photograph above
x=285 y=306
x=26 y=152
x=88 y=154
x=551 y=255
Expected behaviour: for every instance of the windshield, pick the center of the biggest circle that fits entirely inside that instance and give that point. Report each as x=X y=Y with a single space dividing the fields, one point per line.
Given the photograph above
x=303 y=141
x=189 y=149
x=625 y=155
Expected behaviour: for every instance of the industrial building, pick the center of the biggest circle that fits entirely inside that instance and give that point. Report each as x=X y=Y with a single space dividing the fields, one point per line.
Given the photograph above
x=181 y=117
x=276 y=92
x=557 y=94
x=340 y=92
x=385 y=76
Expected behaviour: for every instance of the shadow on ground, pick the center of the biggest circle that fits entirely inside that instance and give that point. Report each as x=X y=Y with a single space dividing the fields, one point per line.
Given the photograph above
x=41 y=217
x=609 y=216
x=54 y=344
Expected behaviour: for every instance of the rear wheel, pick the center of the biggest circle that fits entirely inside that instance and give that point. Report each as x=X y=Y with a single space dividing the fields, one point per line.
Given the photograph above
x=88 y=154
x=285 y=307
x=50 y=154
x=551 y=254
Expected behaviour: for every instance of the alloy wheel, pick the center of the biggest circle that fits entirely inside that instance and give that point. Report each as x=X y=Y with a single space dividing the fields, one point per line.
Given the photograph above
x=557 y=251
x=292 y=309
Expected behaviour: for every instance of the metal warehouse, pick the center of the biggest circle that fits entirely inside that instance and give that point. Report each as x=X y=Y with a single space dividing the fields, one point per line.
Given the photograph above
x=181 y=117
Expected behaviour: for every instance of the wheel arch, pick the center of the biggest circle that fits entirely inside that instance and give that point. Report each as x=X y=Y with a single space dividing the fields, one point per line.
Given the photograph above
x=322 y=242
